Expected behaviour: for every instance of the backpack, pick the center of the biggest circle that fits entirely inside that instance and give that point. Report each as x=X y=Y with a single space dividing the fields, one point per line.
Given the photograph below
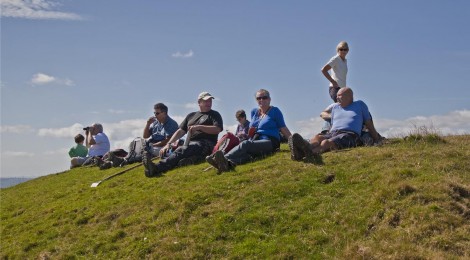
x=226 y=143
x=118 y=152
x=136 y=148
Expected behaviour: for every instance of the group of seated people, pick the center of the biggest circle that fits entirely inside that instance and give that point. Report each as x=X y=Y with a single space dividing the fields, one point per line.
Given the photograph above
x=259 y=137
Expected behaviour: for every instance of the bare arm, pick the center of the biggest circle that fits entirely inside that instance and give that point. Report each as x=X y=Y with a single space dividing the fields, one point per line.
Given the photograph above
x=370 y=125
x=327 y=75
x=177 y=135
x=326 y=114
x=285 y=131
x=89 y=139
x=147 y=133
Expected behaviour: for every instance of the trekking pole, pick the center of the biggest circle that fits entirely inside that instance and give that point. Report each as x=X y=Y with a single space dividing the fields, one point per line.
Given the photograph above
x=188 y=136
x=95 y=184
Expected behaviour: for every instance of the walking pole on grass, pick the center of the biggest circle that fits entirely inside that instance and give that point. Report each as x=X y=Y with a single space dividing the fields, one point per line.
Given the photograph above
x=95 y=184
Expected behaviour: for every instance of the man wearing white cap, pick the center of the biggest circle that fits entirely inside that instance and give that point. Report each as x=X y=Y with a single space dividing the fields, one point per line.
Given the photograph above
x=202 y=127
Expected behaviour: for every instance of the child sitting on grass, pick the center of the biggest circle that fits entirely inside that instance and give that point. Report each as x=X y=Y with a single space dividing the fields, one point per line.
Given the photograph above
x=78 y=150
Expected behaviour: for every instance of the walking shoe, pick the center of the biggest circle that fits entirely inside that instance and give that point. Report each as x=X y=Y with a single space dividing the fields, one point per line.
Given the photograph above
x=151 y=170
x=124 y=163
x=301 y=145
x=106 y=165
x=295 y=154
x=115 y=159
x=221 y=161
x=211 y=161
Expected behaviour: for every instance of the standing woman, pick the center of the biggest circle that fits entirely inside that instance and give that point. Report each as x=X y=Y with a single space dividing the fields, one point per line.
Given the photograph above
x=266 y=122
x=339 y=65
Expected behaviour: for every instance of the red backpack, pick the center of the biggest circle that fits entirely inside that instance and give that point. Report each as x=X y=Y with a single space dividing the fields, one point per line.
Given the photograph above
x=226 y=143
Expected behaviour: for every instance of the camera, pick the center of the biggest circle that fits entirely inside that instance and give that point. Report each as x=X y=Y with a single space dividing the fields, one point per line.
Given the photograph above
x=86 y=128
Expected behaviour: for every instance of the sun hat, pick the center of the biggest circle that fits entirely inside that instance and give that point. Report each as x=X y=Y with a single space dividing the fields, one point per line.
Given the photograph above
x=205 y=96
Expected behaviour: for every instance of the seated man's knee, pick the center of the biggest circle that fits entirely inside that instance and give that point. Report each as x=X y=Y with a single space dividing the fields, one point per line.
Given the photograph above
x=328 y=144
x=316 y=140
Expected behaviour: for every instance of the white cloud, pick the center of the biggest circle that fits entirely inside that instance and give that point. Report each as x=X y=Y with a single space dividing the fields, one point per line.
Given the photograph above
x=178 y=54
x=452 y=123
x=16 y=154
x=65 y=132
x=35 y=9
x=41 y=79
x=114 y=111
x=192 y=106
x=57 y=152
x=16 y=129
x=44 y=79
x=123 y=132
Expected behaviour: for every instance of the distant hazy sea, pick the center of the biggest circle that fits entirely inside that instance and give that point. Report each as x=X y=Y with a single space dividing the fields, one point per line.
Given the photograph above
x=8 y=182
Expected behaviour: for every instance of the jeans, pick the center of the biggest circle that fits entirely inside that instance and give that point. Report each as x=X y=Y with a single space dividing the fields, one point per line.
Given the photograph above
x=248 y=149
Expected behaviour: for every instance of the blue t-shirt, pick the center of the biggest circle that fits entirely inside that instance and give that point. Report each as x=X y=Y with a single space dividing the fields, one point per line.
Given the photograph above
x=161 y=131
x=270 y=124
x=350 y=118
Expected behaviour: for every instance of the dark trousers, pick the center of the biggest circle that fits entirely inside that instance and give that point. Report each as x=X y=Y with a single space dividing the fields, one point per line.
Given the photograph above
x=195 y=148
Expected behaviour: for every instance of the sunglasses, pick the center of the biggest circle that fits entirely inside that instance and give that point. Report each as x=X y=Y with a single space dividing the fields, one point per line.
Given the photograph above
x=157 y=113
x=262 y=97
x=343 y=49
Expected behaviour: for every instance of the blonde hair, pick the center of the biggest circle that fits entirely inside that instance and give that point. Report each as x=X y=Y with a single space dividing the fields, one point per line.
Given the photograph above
x=342 y=45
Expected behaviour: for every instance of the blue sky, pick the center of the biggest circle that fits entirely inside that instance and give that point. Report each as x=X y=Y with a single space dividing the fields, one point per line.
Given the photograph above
x=67 y=64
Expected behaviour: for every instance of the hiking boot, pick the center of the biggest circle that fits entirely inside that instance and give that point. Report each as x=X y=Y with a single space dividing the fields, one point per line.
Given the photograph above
x=106 y=165
x=221 y=162
x=124 y=163
x=302 y=146
x=115 y=159
x=295 y=153
x=211 y=161
x=151 y=170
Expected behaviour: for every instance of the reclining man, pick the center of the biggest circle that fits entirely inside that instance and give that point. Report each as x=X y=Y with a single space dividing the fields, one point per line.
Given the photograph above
x=202 y=127
x=347 y=118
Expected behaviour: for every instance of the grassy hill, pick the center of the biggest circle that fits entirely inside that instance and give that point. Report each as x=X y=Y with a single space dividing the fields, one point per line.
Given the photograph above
x=409 y=199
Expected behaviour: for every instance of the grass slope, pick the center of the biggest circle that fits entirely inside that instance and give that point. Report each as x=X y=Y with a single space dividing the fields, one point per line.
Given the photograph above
x=406 y=200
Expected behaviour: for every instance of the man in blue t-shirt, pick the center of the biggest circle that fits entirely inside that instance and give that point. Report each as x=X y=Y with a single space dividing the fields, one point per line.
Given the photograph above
x=347 y=119
x=159 y=128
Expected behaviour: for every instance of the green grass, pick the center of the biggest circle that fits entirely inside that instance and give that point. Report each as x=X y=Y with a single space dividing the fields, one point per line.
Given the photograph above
x=408 y=199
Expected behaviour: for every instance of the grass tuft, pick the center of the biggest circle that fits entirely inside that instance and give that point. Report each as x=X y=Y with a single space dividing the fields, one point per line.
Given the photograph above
x=424 y=134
